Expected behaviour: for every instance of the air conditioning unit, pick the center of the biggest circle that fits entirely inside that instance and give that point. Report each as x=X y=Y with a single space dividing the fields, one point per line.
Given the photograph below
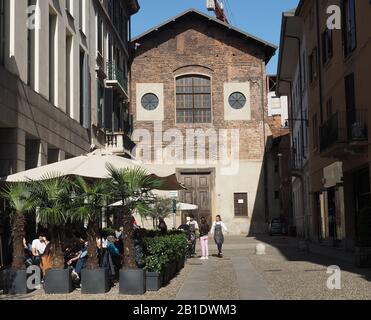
x=210 y=5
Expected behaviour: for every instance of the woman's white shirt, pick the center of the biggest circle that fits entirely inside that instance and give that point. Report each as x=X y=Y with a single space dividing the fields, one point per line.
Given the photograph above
x=224 y=227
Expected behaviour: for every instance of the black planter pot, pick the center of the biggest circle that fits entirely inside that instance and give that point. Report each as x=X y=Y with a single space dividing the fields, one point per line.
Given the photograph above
x=154 y=281
x=166 y=276
x=15 y=282
x=95 y=281
x=173 y=270
x=170 y=272
x=180 y=264
x=58 y=281
x=132 y=281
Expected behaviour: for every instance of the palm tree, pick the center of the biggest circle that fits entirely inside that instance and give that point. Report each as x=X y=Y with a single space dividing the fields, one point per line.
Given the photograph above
x=21 y=201
x=54 y=202
x=132 y=187
x=162 y=208
x=90 y=199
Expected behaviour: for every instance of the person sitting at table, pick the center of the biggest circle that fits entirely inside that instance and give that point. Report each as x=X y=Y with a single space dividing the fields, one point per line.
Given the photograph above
x=79 y=261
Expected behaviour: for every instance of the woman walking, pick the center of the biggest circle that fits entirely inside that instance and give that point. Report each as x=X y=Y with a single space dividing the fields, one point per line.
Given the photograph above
x=204 y=238
x=218 y=230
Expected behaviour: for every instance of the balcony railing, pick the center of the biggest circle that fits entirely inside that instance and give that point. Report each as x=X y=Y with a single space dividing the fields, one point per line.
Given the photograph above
x=358 y=124
x=344 y=127
x=115 y=74
x=119 y=143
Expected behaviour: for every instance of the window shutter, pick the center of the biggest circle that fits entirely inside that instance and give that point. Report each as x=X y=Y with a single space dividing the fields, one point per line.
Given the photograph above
x=108 y=108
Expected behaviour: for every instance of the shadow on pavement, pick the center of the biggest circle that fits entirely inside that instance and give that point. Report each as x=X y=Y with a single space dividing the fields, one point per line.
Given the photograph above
x=289 y=248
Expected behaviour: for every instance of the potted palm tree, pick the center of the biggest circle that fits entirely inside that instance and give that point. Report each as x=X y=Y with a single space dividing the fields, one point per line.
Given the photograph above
x=21 y=201
x=132 y=187
x=90 y=199
x=54 y=202
x=161 y=208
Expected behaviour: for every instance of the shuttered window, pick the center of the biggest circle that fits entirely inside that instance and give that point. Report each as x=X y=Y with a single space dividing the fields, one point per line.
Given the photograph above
x=240 y=205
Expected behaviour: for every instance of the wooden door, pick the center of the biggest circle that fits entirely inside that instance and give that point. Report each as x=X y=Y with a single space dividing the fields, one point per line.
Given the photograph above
x=199 y=193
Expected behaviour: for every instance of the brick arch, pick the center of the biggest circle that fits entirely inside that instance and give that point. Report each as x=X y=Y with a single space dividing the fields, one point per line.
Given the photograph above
x=193 y=69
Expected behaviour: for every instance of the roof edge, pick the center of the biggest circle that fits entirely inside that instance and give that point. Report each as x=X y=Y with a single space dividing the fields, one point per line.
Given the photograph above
x=273 y=47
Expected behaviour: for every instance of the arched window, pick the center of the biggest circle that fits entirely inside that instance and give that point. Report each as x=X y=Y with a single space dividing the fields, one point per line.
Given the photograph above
x=193 y=99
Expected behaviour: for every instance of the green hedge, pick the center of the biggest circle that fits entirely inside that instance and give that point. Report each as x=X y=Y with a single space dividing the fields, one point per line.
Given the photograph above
x=161 y=250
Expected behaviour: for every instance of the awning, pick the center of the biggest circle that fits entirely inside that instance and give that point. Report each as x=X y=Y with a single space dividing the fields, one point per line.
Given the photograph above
x=94 y=166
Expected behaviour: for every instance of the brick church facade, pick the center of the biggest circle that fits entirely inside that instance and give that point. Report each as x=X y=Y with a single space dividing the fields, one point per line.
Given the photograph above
x=195 y=76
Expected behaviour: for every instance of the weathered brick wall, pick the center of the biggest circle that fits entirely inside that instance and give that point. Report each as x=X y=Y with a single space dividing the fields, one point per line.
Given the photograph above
x=194 y=46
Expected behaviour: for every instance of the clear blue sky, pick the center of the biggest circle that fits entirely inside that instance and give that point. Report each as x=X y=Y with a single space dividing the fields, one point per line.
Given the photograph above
x=261 y=18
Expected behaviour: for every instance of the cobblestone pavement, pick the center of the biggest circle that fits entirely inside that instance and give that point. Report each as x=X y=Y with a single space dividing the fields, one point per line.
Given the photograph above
x=284 y=272
x=296 y=275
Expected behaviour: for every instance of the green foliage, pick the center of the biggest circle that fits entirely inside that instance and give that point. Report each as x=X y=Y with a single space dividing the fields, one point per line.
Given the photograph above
x=54 y=199
x=160 y=251
x=89 y=199
x=160 y=208
x=19 y=196
x=132 y=187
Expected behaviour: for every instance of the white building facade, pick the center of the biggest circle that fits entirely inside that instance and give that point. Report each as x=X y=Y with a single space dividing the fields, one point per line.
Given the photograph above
x=292 y=82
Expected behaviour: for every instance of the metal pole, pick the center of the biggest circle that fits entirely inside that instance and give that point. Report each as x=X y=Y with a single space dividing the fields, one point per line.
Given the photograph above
x=174 y=214
x=1 y=252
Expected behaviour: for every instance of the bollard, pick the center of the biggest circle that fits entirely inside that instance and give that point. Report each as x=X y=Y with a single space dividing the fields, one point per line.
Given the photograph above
x=260 y=249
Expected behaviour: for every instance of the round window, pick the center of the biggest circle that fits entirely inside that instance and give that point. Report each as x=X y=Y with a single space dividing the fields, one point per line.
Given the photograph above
x=150 y=101
x=237 y=100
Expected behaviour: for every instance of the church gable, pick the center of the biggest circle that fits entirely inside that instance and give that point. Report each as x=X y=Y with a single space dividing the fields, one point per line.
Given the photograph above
x=184 y=33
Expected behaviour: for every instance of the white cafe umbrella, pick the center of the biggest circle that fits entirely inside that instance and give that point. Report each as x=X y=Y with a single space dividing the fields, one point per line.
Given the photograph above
x=180 y=206
x=186 y=206
x=94 y=166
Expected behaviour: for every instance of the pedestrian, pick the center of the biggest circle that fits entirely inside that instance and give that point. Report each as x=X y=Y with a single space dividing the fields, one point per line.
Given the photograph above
x=194 y=230
x=162 y=225
x=46 y=262
x=38 y=247
x=218 y=230
x=204 y=238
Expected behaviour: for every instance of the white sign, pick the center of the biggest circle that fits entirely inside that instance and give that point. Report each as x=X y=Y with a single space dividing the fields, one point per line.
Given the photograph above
x=173 y=194
x=241 y=201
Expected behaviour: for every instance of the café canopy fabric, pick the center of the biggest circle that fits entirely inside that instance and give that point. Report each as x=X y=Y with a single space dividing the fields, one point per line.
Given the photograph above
x=93 y=166
x=186 y=206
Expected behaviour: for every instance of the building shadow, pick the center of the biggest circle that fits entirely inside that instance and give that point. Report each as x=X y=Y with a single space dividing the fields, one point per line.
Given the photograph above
x=289 y=248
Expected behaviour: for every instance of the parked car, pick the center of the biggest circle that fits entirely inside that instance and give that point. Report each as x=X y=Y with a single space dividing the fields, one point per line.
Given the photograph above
x=277 y=227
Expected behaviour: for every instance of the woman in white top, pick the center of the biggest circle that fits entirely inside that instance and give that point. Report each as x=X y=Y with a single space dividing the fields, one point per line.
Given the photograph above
x=218 y=230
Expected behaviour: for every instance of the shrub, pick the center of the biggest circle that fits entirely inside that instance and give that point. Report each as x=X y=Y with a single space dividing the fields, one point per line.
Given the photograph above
x=159 y=251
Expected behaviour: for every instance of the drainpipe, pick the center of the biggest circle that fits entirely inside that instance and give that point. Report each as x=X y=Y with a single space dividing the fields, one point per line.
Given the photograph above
x=319 y=63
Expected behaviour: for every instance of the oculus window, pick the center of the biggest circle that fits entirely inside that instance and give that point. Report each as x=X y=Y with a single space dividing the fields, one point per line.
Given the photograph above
x=150 y=102
x=237 y=100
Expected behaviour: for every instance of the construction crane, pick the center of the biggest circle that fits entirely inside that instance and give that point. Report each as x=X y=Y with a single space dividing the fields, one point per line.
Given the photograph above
x=218 y=7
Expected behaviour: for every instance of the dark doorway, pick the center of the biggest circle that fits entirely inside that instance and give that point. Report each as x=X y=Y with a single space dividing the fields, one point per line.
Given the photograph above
x=199 y=193
x=317 y=218
x=331 y=213
x=361 y=180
